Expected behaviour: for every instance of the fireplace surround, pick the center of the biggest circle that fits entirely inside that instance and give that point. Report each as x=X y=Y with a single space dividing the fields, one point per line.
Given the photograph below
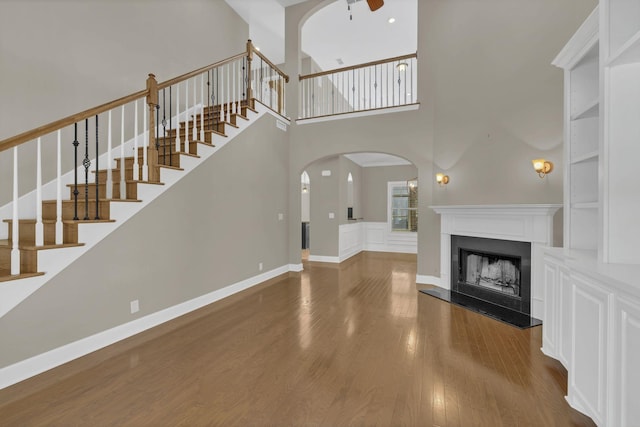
x=519 y=223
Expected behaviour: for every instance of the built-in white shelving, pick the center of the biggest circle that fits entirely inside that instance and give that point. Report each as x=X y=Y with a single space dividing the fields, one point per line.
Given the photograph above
x=592 y=285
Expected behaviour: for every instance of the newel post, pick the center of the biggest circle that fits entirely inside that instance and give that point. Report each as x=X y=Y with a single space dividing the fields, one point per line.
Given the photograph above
x=152 y=152
x=249 y=76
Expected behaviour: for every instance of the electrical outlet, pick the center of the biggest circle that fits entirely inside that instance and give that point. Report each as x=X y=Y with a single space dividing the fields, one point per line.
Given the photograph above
x=260 y=266
x=135 y=306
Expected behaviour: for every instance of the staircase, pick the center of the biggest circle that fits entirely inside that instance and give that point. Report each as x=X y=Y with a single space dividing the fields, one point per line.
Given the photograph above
x=91 y=203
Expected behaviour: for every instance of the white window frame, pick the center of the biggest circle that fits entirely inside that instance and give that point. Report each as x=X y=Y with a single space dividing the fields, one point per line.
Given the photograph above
x=390 y=186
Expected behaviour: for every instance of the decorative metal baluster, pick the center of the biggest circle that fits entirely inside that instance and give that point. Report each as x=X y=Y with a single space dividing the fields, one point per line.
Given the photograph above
x=170 y=126
x=86 y=163
x=209 y=99
x=221 y=98
x=75 y=171
x=245 y=82
x=97 y=170
x=158 y=128
x=399 y=86
x=59 y=230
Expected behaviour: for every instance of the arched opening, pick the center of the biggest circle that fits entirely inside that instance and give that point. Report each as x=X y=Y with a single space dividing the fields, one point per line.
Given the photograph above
x=305 y=208
x=358 y=203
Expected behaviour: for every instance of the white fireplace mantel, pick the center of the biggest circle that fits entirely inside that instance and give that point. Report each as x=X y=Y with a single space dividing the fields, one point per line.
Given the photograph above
x=523 y=223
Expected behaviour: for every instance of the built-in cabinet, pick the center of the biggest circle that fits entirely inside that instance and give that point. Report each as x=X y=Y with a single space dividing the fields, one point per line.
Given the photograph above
x=592 y=285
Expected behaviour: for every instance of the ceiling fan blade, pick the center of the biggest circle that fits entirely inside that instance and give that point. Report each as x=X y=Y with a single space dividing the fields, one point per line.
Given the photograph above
x=375 y=4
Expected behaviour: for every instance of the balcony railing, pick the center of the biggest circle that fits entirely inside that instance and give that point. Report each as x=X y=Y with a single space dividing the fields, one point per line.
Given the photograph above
x=372 y=86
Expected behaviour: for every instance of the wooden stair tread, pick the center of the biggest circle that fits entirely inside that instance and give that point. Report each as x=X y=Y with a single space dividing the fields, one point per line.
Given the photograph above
x=5 y=275
x=7 y=243
x=81 y=199
x=171 y=167
x=215 y=132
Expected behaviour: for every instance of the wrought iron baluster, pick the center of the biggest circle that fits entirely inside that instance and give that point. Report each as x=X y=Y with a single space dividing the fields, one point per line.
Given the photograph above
x=86 y=163
x=170 y=126
x=75 y=171
x=97 y=170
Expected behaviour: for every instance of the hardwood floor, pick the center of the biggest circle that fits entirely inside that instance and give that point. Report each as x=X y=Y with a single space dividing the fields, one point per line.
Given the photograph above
x=353 y=344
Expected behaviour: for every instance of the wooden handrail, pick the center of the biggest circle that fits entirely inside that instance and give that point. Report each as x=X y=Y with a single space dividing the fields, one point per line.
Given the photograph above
x=67 y=121
x=199 y=71
x=355 y=67
x=272 y=65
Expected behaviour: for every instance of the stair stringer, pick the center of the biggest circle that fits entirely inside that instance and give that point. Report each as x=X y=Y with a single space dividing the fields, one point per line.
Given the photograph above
x=53 y=261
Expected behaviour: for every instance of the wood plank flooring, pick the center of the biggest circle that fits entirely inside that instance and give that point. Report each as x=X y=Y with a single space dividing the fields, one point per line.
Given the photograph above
x=353 y=344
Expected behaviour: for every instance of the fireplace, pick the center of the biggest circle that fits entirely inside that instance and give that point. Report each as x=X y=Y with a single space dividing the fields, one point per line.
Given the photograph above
x=492 y=270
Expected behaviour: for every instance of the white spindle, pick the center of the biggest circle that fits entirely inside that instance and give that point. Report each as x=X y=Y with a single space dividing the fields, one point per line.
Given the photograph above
x=109 y=192
x=194 y=112
x=186 y=116
x=228 y=111
x=145 y=143
x=15 y=236
x=39 y=225
x=178 y=148
x=123 y=184
x=221 y=88
x=59 y=237
x=136 y=165
x=202 y=108
x=234 y=90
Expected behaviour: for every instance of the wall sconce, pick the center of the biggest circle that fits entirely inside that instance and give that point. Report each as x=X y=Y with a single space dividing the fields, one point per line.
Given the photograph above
x=402 y=66
x=305 y=189
x=542 y=166
x=442 y=179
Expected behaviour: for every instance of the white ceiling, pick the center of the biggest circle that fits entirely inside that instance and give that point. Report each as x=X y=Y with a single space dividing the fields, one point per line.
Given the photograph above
x=368 y=160
x=329 y=34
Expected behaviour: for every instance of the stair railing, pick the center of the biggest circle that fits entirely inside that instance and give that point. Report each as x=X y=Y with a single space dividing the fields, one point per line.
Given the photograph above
x=267 y=82
x=174 y=115
x=371 y=86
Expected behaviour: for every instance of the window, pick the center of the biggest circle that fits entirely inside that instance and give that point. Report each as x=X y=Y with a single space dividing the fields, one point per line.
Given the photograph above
x=403 y=205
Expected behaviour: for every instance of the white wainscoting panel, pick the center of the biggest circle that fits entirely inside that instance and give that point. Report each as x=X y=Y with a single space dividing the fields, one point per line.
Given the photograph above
x=629 y=372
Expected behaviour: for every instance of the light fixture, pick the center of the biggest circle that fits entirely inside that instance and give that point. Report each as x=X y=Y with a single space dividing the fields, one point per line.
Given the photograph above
x=542 y=166
x=402 y=66
x=412 y=183
x=391 y=20
x=305 y=189
x=442 y=179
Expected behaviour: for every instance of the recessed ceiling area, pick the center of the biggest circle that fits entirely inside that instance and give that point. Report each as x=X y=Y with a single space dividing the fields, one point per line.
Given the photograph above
x=329 y=34
x=369 y=160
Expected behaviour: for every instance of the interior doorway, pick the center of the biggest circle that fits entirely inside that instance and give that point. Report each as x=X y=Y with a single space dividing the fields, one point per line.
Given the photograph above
x=305 y=197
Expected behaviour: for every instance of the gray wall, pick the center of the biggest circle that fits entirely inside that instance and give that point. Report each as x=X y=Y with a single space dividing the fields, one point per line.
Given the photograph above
x=60 y=57
x=375 y=188
x=323 y=240
x=489 y=102
x=204 y=233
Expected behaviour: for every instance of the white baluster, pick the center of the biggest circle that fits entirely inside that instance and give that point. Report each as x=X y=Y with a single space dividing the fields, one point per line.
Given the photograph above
x=178 y=148
x=136 y=165
x=186 y=117
x=109 y=192
x=202 y=108
x=59 y=237
x=145 y=143
x=229 y=94
x=15 y=236
x=234 y=89
x=123 y=184
x=39 y=225
x=194 y=113
x=221 y=87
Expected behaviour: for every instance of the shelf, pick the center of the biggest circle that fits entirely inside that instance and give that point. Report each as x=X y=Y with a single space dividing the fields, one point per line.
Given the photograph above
x=590 y=110
x=584 y=157
x=584 y=205
x=627 y=53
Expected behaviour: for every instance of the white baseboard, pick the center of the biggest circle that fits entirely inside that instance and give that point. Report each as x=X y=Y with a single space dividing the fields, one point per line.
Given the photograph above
x=296 y=267
x=322 y=258
x=35 y=365
x=430 y=280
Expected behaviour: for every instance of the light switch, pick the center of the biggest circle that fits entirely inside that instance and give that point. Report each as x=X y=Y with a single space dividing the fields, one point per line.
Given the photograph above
x=332 y=215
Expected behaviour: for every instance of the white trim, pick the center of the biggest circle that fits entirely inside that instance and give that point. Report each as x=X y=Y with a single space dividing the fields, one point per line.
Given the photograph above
x=35 y=365
x=322 y=258
x=355 y=114
x=428 y=280
x=582 y=41
x=296 y=268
